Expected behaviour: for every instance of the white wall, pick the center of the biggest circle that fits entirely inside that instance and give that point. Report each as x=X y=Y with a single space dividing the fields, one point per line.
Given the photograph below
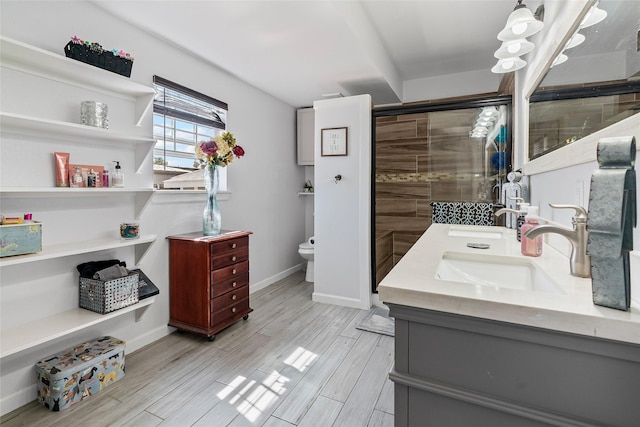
x=451 y=85
x=263 y=186
x=343 y=209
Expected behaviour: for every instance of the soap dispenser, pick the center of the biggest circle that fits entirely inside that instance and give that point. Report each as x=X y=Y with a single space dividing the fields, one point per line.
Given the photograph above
x=531 y=247
x=118 y=176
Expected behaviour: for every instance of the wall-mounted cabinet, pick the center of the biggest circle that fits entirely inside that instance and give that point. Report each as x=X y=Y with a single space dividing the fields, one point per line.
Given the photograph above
x=305 y=136
x=52 y=84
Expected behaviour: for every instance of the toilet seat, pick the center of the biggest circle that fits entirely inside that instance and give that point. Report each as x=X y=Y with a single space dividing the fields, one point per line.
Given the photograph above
x=305 y=247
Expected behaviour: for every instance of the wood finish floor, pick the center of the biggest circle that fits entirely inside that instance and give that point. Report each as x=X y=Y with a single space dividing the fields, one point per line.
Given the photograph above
x=294 y=362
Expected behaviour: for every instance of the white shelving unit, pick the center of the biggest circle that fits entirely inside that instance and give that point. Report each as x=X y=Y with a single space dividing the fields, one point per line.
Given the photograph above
x=74 y=248
x=73 y=132
x=142 y=195
x=33 y=61
x=40 y=331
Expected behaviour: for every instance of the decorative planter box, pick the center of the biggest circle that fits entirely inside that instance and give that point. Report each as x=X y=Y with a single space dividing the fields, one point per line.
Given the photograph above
x=19 y=239
x=99 y=58
x=66 y=378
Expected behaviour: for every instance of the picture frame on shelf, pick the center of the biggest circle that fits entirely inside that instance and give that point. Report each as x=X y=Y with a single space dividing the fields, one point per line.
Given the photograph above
x=334 y=142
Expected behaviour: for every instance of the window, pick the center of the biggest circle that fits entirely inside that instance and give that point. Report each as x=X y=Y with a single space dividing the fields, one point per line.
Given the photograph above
x=183 y=117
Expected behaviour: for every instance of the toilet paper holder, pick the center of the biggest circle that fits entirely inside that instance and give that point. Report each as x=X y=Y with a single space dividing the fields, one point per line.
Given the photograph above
x=338 y=178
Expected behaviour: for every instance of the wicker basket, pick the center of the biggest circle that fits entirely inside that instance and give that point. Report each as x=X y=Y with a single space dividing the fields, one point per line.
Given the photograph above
x=104 y=297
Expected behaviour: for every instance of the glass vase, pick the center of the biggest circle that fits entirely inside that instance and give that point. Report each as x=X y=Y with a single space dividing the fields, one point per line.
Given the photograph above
x=211 y=218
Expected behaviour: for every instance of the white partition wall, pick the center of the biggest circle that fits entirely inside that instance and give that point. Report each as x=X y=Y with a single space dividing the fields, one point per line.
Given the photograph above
x=343 y=207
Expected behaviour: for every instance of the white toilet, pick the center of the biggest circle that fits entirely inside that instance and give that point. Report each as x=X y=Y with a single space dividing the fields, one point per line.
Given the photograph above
x=305 y=249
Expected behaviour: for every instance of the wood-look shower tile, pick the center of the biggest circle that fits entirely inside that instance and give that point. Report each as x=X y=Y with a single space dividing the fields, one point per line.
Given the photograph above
x=412 y=146
x=424 y=209
x=383 y=268
x=453 y=162
x=423 y=128
x=414 y=116
x=403 y=241
x=449 y=191
x=384 y=247
x=403 y=224
x=382 y=119
x=395 y=130
x=396 y=164
x=396 y=207
x=403 y=190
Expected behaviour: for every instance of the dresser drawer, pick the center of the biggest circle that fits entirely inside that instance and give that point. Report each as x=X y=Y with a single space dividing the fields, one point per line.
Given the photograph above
x=227 y=258
x=225 y=286
x=241 y=306
x=229 y=272
x=226 y=300
x=230 y=245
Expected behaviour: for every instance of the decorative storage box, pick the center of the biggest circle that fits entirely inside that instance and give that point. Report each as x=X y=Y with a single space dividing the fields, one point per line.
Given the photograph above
x=19 y=239
x=104 y=297
x=65 y=379
x=99 y=58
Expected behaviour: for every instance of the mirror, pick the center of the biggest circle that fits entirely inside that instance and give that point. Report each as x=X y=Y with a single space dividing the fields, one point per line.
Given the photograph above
x=592 y=85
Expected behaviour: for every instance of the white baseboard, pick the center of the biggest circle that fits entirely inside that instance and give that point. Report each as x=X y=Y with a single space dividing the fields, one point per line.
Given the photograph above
x=138 y=342
x=342 y=301
x=273 y=279
x=18 y=399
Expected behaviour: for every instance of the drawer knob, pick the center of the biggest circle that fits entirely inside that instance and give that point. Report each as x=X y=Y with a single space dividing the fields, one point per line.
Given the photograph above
x=234 y=284
x=233 y=246
x=233 y=310
x=233 y=258
x=233 y=271
x=234 y=297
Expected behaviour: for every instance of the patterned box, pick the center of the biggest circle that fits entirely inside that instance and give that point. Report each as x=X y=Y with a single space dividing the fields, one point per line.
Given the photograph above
x=65 y=379
x=18 y=239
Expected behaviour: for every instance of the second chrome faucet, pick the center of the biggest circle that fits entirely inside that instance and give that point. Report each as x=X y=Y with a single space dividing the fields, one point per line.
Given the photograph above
x=579 y=262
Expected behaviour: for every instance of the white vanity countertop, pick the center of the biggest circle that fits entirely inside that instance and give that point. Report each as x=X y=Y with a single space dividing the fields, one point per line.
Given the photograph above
x=412 y=282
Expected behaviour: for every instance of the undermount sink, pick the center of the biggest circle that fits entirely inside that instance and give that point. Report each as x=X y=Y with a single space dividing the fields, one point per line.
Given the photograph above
x=495 y=271
x=475 y=232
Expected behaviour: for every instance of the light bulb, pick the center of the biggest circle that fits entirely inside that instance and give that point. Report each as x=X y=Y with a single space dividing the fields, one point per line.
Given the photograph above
x=513 y=48
x=519 y=28
x=507 y=65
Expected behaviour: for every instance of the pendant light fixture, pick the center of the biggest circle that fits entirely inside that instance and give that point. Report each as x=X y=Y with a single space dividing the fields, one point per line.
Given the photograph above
x=593 y=17
x=520 y=25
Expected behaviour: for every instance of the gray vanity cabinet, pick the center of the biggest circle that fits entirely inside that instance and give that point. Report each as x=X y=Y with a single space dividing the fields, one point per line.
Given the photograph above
x=453 y=370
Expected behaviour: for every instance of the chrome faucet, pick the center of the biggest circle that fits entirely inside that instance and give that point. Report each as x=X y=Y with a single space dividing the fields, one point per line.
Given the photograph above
x=579 y=262
x=506 y=210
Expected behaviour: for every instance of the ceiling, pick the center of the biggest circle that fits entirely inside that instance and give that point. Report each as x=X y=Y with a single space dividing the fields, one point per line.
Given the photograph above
x=299 y=51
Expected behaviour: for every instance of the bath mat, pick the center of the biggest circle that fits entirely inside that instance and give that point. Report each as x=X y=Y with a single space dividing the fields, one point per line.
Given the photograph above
x=378 y=321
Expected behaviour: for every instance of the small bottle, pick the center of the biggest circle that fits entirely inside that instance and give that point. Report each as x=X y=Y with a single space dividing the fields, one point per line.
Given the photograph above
x=118 y=176
x=92 y=179
x=531 y=247
x=76 y=179
x=28 y=218
x=105 y=178
x=522 y=213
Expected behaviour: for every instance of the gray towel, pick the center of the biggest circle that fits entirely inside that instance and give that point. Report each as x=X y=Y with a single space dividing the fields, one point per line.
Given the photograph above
x=110 y=273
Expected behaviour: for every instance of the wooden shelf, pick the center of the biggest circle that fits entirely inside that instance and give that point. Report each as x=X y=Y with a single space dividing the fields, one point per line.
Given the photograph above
x=20 y=338
x=39 y=62
x=75 y=248
x=73 y=132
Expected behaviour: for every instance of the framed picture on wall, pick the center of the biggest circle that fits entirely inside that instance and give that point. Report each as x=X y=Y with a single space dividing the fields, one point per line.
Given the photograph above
x=334 y=142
